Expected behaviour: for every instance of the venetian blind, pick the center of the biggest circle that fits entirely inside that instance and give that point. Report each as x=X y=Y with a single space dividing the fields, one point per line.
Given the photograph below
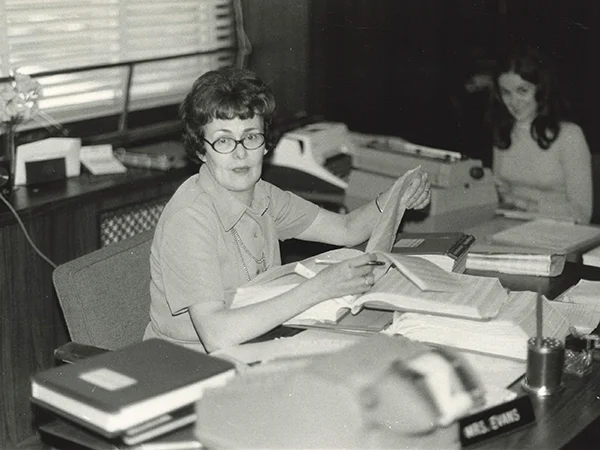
x=39 y=36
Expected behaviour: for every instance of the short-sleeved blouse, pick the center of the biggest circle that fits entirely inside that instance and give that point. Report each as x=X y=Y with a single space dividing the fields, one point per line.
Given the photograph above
x=195 y=257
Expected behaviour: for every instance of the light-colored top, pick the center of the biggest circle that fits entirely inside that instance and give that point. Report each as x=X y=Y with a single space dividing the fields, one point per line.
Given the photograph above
x=556 y=182
x=195 y=258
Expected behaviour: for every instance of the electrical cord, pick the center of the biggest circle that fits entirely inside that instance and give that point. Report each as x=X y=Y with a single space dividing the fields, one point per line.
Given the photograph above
x=244 y=44
x=20 y=222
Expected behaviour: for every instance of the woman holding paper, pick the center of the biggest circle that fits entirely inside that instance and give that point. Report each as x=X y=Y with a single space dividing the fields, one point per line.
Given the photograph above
x=541 y=161
x=222 y=227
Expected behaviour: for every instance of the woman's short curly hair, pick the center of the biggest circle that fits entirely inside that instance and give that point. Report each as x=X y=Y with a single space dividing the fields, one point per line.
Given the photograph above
x=223 y=94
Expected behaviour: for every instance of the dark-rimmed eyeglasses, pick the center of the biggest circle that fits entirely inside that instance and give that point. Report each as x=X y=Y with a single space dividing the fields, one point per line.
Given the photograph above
x=227 y=144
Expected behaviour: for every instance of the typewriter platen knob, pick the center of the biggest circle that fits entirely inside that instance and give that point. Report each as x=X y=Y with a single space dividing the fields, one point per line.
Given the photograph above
x=476 y=172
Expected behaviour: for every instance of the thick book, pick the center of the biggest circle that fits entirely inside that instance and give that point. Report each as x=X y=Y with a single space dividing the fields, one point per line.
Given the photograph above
x=116 y=391
x=552 y=235
x=504 y=336
x=447 y=250
x=405 y=283
x=62 y=433
x=515 y=260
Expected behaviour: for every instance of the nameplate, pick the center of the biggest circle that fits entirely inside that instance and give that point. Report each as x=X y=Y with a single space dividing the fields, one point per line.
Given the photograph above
x=498 y=420
x=46 y=170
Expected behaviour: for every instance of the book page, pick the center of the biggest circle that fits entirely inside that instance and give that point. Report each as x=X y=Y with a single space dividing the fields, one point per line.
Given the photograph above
x=584 y=317
x=585 y=291
x=557 y=236
x=477 y=298
x=425 y=274
x=383 y=235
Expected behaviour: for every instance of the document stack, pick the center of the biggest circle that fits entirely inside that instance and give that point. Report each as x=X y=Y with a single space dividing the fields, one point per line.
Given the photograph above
x=134 y=394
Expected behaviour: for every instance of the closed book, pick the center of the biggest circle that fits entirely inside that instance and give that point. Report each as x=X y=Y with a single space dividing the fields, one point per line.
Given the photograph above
x=515 y=260
x=115 y=391
x=552 y=235
x=447 y=250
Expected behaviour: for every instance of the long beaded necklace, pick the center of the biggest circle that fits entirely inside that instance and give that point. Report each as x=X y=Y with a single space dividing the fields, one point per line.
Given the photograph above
x=241 y=246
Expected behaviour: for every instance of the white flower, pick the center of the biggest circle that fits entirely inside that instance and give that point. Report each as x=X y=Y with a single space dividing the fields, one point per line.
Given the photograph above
x=19 y=99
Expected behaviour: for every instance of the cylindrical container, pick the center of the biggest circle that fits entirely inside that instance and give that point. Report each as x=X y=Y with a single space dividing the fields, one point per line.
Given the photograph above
x=545 y=361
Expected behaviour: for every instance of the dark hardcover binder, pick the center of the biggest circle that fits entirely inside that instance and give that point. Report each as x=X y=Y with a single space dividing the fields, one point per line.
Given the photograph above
x=115 y=391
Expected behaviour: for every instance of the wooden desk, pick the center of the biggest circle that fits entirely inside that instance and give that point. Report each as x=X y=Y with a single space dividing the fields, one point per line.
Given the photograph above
x=63 y=220
x=567 y=420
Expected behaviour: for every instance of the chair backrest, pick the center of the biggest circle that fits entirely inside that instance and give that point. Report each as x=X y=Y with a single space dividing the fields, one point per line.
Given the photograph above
x=105 y=295
x=596 y=186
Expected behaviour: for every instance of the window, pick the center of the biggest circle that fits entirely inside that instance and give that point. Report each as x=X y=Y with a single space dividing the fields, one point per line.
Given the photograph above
x=46 y=36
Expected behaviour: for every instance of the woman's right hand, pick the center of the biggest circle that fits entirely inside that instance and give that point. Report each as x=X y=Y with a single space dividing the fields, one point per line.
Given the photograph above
x=350 y=277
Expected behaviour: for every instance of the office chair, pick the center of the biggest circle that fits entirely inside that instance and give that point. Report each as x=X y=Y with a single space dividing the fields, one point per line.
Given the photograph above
x=105 y=297
x=596 y=188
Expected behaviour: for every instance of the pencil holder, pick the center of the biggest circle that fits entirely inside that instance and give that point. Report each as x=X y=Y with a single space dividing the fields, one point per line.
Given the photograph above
x=545 y=361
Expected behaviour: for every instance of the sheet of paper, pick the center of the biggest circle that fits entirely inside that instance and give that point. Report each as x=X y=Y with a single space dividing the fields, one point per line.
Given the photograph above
x=384 y=234
x=100 y=160
x=425 y=274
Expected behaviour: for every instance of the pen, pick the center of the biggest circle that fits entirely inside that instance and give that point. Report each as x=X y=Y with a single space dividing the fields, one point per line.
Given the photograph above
x=336 y=261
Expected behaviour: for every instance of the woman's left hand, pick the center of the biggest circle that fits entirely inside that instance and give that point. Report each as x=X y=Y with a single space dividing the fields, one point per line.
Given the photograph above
x=418 y=194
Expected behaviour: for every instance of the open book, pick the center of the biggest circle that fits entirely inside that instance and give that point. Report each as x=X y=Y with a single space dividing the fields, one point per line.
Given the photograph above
x=506 y=335
x=405 y=283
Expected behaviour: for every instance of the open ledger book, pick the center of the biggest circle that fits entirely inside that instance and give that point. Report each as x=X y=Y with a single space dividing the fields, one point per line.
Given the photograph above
x=406 y=283
x=506 y=335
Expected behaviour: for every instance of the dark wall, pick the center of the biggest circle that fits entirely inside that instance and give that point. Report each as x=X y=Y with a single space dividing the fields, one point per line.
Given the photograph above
x=399 y=67
x=279 y=33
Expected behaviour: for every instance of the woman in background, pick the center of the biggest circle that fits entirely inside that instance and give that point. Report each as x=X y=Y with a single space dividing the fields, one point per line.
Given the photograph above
x=223 y=225
x=541 y=161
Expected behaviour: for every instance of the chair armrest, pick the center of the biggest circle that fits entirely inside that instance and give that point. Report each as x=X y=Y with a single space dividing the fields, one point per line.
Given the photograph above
x=72 y=352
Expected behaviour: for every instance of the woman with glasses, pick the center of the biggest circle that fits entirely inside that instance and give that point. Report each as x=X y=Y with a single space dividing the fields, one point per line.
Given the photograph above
x=222 y=227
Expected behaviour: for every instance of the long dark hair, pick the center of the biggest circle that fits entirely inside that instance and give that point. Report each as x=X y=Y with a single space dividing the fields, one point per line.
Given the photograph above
x=533 y=66
x=223 y=94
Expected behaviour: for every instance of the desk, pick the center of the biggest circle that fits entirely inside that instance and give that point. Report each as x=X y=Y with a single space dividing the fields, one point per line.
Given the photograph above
x=568 y=420
x=64 y=221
